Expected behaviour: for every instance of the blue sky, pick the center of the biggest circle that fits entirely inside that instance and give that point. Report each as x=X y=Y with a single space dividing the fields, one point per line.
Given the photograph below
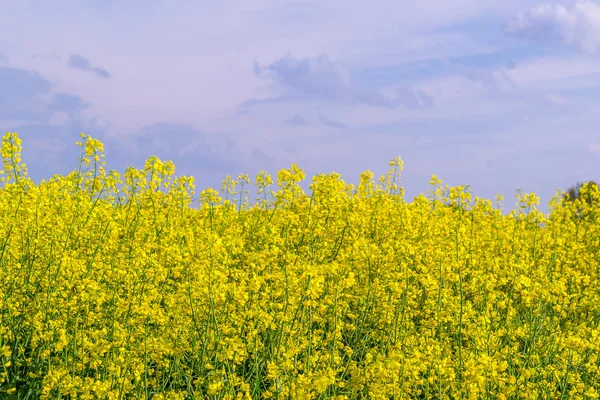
x=501 y=95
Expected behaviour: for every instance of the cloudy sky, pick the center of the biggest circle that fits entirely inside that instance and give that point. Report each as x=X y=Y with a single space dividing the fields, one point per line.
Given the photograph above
x=498 y=94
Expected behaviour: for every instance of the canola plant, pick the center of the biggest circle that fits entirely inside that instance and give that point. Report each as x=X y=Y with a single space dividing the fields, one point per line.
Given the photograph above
x=115 y=287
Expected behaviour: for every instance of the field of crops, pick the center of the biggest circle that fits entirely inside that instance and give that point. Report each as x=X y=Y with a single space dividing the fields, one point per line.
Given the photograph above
x=120 y=287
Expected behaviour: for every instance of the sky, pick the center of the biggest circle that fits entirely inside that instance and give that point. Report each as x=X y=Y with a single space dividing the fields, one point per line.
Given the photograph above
x=500 y=95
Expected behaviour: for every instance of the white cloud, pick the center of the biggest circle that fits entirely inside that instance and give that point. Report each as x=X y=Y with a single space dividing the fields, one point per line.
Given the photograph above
x=578 y=25
x=555 y=72
x=554 y=98
x=467 y=85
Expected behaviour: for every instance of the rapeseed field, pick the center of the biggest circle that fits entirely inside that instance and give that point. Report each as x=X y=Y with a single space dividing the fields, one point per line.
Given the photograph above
x=120 y=287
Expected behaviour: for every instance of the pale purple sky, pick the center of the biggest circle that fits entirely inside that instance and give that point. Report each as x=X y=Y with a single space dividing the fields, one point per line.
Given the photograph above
x=499 y=94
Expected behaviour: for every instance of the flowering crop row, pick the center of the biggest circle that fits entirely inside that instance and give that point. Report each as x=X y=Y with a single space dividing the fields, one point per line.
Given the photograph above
x=113 y=287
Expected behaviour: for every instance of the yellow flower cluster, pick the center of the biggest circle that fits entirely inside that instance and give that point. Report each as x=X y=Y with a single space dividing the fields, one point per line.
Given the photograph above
x=116 y=287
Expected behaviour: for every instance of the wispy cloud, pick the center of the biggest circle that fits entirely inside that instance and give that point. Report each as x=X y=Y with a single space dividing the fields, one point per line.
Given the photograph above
x=320 y=78
x=194 y=149
x=554 y=98
x=260 y=157
x=332 y=124
x=296 y=120
x=414 y=98
x=79 y=62
x=46 y=57
x=577 y=25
